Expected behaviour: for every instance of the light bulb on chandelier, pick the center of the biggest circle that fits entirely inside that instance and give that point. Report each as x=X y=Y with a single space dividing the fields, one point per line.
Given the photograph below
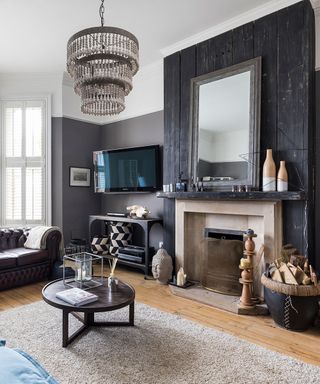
x=102 y=61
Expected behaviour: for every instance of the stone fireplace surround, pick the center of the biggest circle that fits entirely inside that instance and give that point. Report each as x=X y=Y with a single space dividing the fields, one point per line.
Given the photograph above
x=192 y=216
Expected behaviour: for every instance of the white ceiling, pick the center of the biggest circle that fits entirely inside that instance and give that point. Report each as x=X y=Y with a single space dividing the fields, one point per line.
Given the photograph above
x=34 y=33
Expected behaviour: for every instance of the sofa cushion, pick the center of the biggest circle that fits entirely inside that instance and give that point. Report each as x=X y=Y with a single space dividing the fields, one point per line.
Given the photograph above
x=35 y=256
x=7 y=260
x=26 y=256
x=18 y=367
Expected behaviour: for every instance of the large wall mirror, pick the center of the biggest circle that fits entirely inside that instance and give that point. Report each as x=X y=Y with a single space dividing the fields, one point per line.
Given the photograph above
x=226 y=126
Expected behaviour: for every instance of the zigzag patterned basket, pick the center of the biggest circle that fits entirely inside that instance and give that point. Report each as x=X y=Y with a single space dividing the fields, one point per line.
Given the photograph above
x=120 y=236
x=99 y=245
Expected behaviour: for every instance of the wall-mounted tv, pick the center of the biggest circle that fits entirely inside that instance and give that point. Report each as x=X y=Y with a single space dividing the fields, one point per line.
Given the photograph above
x=127 y=170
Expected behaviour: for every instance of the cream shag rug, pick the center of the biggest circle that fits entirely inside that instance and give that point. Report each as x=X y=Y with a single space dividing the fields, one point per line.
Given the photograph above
x=161 y=348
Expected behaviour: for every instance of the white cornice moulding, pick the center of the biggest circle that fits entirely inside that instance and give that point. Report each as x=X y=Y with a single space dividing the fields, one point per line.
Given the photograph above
x=316 y=4
x=253 y=14
x=142 y=112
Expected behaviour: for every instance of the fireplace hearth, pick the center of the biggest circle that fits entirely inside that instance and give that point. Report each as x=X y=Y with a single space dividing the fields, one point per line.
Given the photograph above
x=230 y=218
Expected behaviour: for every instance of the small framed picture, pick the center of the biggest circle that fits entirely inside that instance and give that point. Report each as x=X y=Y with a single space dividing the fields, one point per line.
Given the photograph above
x=79 y=177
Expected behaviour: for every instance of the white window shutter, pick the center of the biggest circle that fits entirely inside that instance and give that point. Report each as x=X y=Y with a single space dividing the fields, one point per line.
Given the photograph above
x=24 y=162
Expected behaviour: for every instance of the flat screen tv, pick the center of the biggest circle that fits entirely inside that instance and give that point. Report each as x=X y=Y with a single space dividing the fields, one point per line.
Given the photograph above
x=127 y=170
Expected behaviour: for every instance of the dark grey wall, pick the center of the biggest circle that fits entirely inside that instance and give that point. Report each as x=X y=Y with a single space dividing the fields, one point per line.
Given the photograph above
x=56 y=148
x=317 y=175
x=73 y=143
x=139 y=131
x=80 y=139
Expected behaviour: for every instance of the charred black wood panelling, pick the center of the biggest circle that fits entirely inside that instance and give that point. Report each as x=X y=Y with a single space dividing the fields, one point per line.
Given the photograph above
x=188 y=71
x=242 y=44
x=265 y=45
x=290 y=127
x=309 y=131
x=317 y=172
x=171 y=118
x=285 y=41
x=171 y=145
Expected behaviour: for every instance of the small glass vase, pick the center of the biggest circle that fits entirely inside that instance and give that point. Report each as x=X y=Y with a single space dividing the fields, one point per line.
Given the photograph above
x=112 y=282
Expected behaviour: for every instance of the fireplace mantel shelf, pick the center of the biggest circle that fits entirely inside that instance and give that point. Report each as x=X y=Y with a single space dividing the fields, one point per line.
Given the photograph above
x=254 y=195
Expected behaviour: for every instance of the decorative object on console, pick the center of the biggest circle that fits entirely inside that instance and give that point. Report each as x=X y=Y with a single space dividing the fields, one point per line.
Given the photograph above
x=79 y=177
x=269 y=173
x=99 y=245
x=282 y=178
x=101 y=62
x=138 y=211
x=162 y=266
x=120 y=236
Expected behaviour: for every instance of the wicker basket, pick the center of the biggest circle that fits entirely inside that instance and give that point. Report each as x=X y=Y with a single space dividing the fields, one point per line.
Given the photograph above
x=293 y=307
x=290 y=289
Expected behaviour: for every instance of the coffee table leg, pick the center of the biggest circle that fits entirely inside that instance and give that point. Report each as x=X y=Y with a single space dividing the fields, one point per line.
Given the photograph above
x=131 y=314
x=88 y=318
x=65 y=328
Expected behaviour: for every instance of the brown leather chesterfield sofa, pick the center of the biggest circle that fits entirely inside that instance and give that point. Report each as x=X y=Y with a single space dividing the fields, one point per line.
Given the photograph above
x=19 y=265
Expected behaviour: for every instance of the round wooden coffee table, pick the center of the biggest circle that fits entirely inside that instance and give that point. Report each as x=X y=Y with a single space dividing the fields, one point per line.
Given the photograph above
x=108 y=300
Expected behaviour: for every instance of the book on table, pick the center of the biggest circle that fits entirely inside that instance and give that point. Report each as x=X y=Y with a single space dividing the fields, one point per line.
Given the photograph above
x=77 y=296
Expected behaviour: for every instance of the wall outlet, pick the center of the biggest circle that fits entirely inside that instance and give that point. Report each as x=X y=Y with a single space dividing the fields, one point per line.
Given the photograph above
x=160 y=244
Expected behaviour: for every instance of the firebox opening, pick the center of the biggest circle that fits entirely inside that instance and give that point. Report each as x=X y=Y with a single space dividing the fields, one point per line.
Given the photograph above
x=223 y=250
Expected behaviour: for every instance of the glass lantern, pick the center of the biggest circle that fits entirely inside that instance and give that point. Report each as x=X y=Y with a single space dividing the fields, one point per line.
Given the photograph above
x=82 y=275
x=83 y=267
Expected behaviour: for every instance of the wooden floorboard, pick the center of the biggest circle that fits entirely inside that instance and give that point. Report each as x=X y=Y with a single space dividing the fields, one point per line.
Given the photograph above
x=259 y=330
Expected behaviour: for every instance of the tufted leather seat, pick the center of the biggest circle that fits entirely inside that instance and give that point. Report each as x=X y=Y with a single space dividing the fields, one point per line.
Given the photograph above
x=19 y=265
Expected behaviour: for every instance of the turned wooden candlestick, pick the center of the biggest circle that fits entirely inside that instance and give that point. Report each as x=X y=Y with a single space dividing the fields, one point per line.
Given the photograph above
x=246 y=296
x=247 y=300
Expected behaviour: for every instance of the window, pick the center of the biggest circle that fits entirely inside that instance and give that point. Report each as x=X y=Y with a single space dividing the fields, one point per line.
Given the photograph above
x=25 y=162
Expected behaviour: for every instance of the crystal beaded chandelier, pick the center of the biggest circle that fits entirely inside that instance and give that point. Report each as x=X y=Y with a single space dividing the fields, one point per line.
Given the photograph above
x=102 y=61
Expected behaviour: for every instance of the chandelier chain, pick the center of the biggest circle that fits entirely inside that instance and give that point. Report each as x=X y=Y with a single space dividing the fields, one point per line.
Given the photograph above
x=101 y=12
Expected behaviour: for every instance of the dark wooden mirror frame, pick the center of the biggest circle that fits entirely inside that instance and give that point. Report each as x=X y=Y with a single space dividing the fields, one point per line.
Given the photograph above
x=254 y=66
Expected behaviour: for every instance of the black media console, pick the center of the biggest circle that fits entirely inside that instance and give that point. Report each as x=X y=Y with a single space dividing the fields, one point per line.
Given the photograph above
x=145 y=224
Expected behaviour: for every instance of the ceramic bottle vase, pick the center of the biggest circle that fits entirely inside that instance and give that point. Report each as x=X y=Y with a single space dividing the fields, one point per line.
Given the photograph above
x=282 y=178
x=269 y=173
